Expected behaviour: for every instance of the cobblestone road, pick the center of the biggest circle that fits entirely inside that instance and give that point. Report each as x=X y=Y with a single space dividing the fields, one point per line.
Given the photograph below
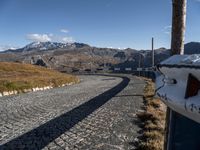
x=98 y=113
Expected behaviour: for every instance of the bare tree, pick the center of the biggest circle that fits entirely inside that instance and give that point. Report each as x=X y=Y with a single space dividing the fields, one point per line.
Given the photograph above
x=178 y=26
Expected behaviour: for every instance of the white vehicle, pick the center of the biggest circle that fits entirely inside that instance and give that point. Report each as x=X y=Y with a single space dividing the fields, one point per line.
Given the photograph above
x=179 y=84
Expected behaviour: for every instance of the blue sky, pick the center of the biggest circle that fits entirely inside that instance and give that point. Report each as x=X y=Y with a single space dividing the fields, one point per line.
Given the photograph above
x=102 y=23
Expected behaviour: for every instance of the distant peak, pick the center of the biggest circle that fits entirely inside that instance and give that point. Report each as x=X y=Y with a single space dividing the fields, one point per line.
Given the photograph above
x=52 y=45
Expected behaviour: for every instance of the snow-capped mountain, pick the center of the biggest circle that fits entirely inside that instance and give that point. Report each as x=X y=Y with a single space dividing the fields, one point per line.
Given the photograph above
x=42 y=46
x=51 y=45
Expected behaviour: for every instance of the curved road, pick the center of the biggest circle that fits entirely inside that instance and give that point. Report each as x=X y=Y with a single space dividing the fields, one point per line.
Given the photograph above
x=98 y=113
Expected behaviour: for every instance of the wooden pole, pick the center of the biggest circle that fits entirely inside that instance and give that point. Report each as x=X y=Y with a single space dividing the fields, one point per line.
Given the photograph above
x=178 y=26
x=177 y=48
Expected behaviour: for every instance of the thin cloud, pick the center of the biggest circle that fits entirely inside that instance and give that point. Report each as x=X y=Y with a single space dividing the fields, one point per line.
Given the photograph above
x=6 y=47
x=39 y=37
x=167 y=29
x=49 y=38
x=64 y=30
x=68 y=40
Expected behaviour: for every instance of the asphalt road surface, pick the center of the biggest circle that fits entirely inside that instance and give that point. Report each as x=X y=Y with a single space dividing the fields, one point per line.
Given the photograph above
x=98 y=113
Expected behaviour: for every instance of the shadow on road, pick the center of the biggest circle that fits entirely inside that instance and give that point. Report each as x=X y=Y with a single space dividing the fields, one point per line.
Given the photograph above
x=41 y=136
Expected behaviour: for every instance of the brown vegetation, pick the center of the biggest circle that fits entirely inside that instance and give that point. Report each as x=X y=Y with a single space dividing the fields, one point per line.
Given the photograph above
x=153 y=120
x=17 y=76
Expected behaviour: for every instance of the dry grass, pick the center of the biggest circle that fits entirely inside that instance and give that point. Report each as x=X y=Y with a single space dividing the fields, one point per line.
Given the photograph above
x=16 y=76
x=153 y=119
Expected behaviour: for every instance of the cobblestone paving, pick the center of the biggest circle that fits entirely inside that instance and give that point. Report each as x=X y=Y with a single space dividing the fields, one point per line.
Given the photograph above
x=98 y=113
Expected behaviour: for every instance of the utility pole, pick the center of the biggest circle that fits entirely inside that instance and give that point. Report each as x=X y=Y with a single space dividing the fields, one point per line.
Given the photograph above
x=104 y=66
x=152 y=42
x=139 y=65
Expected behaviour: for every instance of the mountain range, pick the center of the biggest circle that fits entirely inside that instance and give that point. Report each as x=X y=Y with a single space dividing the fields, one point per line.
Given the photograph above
x=71 y=57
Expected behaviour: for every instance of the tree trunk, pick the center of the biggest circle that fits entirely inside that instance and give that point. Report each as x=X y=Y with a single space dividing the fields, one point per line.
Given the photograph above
x=178 y=26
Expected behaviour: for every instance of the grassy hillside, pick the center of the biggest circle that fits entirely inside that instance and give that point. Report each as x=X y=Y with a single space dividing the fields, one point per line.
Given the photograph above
x=16 y=76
